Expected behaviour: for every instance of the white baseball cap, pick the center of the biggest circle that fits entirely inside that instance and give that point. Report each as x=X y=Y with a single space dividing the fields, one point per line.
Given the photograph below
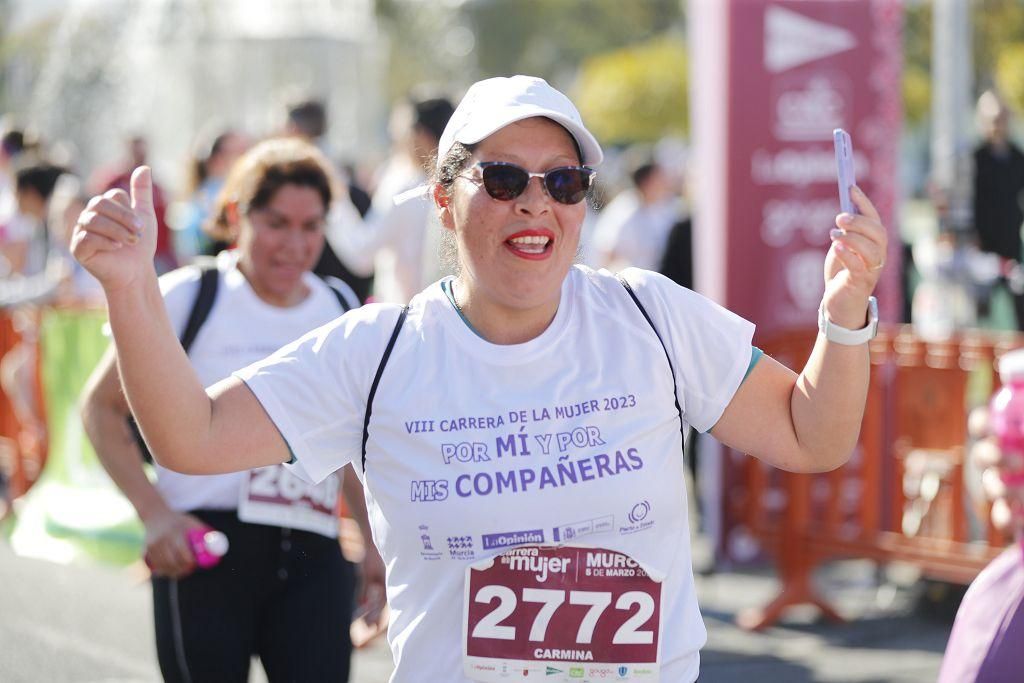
x=494 y=103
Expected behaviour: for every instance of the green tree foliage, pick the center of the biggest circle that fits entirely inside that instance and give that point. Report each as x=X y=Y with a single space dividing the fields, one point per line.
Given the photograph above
x=549 y=38
x=546 y=38
x=636 y=94
x=998 y=34
x=998 y=24
x=917 y=59
x=1009 y=74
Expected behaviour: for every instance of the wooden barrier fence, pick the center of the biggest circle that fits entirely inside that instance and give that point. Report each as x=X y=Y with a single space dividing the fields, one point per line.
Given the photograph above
x=904 y=495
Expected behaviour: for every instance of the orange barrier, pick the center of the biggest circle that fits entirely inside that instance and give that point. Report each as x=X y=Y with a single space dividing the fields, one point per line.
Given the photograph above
x=903 y=495
x=23 y=442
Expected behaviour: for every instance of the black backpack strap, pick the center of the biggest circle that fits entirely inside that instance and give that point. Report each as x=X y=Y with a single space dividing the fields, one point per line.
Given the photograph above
x=203 y=304
x=675 y=388
x=209 y=278
x=376 y=379
x=333 y=283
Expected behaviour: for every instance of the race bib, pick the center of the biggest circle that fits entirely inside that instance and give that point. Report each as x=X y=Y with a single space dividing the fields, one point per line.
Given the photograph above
x=275 y=496
x=561 y=614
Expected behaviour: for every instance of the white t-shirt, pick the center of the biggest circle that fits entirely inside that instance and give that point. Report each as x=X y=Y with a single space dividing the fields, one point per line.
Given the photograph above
x=598 y=372
x=239 y=329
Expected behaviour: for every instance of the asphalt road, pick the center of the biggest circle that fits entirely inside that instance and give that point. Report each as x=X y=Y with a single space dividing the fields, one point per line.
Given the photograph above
x=88 y=624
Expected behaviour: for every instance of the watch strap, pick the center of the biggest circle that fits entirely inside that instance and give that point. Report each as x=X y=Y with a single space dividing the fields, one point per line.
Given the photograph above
x=846 y=337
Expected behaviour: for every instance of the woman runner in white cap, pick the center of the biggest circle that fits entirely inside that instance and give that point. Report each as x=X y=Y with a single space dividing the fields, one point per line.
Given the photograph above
x=518 y=428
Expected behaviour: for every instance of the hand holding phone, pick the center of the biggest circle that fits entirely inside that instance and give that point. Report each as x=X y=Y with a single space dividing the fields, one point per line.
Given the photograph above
x=844 y=169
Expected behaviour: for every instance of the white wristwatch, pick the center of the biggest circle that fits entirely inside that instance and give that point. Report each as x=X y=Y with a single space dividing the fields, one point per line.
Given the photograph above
x=841 y=335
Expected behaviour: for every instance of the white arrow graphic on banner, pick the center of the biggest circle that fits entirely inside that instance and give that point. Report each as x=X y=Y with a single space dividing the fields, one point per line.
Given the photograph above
x=792 y=39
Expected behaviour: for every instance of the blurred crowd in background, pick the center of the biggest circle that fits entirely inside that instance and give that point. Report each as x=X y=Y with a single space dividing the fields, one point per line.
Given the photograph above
x=188 y=87
x=360 y=80
x=640 y=216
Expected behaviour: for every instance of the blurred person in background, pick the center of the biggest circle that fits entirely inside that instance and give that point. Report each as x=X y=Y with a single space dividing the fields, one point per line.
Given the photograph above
x=998 y=191
x=34 y=186
x=677 y=262
x=633 y=229
x=398 y=243
x=283 y=590
x=51 y=201
x=988 y=634
x=307 y=119
x=34 y=278
x=137 y=154
x=14 y=229
x=209 y=166
x=78 y=287
x=12 y=144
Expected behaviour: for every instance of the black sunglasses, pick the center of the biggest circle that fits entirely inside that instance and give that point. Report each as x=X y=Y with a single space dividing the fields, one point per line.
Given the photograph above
x=504 y=181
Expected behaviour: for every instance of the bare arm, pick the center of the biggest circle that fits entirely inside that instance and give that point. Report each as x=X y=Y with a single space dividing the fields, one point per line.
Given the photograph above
x=104 y=416
x=810 y=422
x=805 y=423
x=187 y=429
x=372 y=597
x=352 y=491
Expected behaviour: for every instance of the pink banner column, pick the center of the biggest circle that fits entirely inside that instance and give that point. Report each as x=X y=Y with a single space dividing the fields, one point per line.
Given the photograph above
x=772 y=79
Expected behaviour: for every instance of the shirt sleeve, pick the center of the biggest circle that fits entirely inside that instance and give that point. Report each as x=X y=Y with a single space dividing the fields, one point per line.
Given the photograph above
x=710 y=346
x=315 y=388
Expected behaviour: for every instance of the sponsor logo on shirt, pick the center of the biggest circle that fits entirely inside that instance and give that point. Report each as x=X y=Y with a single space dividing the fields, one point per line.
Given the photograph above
x=639 y=517
x=639 y=512
x=428 y=552
x=530 y=560
x=461 y=547
x=510 y=538
x=568 y=532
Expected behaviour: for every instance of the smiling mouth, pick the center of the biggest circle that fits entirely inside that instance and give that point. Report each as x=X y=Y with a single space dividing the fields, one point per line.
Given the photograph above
x=530 y=245
x=289 y=268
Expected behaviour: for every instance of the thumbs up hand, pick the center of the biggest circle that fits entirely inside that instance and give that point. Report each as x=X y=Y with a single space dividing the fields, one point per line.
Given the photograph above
x=115 y=237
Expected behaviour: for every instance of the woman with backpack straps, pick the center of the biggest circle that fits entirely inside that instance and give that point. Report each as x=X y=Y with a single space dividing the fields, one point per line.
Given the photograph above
x=520 y=449
x=283 y=591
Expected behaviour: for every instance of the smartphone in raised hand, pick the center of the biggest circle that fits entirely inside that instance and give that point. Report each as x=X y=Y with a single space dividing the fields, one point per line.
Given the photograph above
x=844 y=169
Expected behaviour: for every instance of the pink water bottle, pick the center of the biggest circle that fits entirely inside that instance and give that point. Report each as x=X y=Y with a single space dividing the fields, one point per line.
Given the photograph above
x=208 y=545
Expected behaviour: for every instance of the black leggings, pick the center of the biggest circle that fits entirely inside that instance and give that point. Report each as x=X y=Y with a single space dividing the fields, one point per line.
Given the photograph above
x=284 y=595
